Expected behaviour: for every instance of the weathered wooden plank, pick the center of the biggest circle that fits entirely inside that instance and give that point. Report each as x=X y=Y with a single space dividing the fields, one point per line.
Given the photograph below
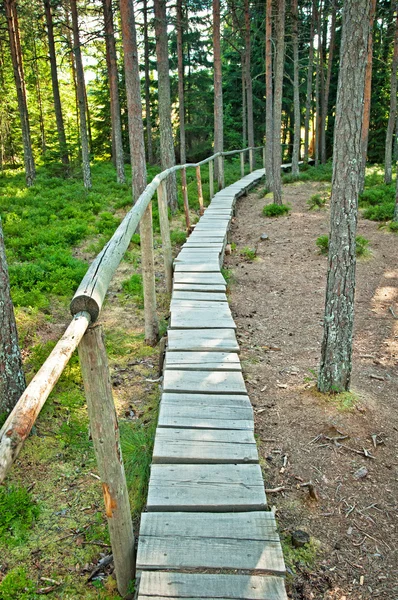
x=222 y=340
x=211 y=488
x=200 y=278
x=194 y=267
x=215 y=297
x=205 y=288
x=217 y=382
x=188 y=317
x=219 y=402
x=204 y=417
x=205 y=361
x=191 y=586
x=207 y=233
x=221 y=307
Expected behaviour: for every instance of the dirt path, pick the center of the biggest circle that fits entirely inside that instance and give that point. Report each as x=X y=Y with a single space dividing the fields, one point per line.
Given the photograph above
x=277 y=302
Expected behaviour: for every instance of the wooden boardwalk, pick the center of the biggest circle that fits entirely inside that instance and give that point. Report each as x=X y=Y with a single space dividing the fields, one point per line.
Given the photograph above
x=207 y=532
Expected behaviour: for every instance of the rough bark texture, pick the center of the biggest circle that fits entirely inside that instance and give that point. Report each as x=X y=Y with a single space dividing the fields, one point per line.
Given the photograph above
x=55 y=85
x=325 y=100
x=39 y=99
x=277 y=124
x=114 y=90
x=393 y=106
x=16 y=56
x=317 y=19
x=12 y=378
x=167 y=155
x=308 y=102
x=248 y=77
x=269 y=169
x=218 y=102
x=180 y=56
x=148 y=122
x=367 y=97
x=138 y=164
x=335 y=368
x=296 y=88
x=396 y=202
x=244 y=109
x=81 y=95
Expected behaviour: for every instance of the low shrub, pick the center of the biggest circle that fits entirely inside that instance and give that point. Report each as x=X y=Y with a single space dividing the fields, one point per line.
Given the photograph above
x=393 y=226
x=316 y=201
x=380 y=212
x=275 y=210
x=178 y=237
x=248 y=253
x=361 y=245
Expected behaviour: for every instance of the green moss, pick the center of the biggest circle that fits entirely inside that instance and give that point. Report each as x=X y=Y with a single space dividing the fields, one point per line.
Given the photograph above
x=18 y=512
x=16 y=585
x=299 y=557
x=134 y=288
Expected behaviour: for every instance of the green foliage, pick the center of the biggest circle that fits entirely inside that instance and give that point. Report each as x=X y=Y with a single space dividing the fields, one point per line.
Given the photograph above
x=228 y=275
x=309 y=173
x=248 y=253
x=323 y=244
x=362 y=245
x=134 y=287
x=18 y=512
x=297 y=558
x=178 y=237
x=393 y=226
x=16 y=585
x=275 y=210
x=378 y=199
x=380 y=212
x=316 y=201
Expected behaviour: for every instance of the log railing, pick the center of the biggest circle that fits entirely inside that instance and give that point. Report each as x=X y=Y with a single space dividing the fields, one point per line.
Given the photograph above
x=85 y=307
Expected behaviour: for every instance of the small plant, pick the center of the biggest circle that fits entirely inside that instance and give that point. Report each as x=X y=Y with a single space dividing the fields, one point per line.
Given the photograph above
x=299 y=557
x=275 y=210
x=323 y=244
x=178 y=237
x=361 y=245
x=227 y=274
x=134 y=288
x=18 y=512
x=316 y=201
x=248 y=253
x=393 y=226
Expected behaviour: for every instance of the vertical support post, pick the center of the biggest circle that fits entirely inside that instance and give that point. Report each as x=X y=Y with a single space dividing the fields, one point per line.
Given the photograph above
x=264 y=158
x=185 y=197
x=165 y=233
x=148 y=278
x=105 y=434
x=221 y=181
x=211 y=179
x=242 y=163
x=200 y=191
x=251 y=159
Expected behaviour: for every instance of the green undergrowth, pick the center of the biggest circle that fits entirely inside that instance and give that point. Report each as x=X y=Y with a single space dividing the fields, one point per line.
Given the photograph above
x=276 y=210
x=361 y=248
x=310 y=173
x=248 y=253
x=299 y=558
x=378 y=199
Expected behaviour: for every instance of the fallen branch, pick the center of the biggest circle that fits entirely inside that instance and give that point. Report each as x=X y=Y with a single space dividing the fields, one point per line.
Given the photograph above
x=393 y=313
x=275 y=490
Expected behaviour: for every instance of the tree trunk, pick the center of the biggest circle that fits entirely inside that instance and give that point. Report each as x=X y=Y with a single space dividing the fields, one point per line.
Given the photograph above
x=297 y=128
x=16 y=56
x=218 y=102
x=71 y=56
x=138 y=164
x=244 y=109
x=336 y=354
x=148 y=122
x=249 y=85
x=309 y=88
x=180 y=56
x=39 y=100
x=269 y=169
x=114 y=90
x=317 y=19
x=325 y=99
x=167 y=155
x=277 y=123
x=81 y=97
x=367 y=97
x=395 y=218
x=393 y=106
x=55 y=86
x=12 y=378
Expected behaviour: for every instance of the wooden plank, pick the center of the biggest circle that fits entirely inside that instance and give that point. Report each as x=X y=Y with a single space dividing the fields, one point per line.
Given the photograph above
x=211 y=488
x=221 y=307
x=222 y=340
x=194 y=267
x=206 y=288
x=168 y=450
x=213 y=402
x=188 y=317
x=203 y=361
x=200 y=278
x=215 y=297
x=158 y=584
x=206 y=233
x=205 y=382
x=205 y=416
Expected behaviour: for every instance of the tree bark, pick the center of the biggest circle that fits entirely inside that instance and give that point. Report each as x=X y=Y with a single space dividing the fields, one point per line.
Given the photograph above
x=309 y=88
x=39 y=100
x=296 y=88
x=180 y=57
x=167 y=155
x=55 y=86
x=393 y=106
x=218 y=101
x=277 y=123
x=336 y=354
x=16 y=56
x=138 y=164
x=367 y=97
x=244 y=108
x=269 y=169
x=148 y=122
x=12 y=378
x=325 y=100
x=395 y=218
x=81 y=94
x=317 y=19
x=248 y=78
x=114 y=90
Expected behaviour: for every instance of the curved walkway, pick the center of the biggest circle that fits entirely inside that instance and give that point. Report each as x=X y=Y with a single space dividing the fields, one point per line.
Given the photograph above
x=207 y=532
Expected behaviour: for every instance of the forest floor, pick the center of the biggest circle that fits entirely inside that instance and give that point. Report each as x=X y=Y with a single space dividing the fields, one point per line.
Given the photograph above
x=277 y=301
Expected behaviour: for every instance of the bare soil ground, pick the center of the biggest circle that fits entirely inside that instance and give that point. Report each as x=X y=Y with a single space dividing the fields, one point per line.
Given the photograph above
x=277 y=301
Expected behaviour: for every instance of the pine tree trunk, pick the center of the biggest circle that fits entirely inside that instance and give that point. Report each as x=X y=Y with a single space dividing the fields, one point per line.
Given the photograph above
x=138 y=164
x=114 y=90
x=81 y=97
x=297 y=127
x=317 y=19
x=167 y=155
x=16 y=56
x=277 y=123
x=367 y=97
x=39 y=100
x=336 y=354
x=309 y=88
x=325 y=101
x=393 y=107
x=148 y=122
x=218 y=101
x=55 y=85
x=180 y=57
x=395 y=218
x=244 y=108
x=12 y=378
x=269 y=130
x=248 y=78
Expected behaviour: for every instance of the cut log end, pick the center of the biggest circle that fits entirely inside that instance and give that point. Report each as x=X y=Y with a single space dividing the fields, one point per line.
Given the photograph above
x=85 y=303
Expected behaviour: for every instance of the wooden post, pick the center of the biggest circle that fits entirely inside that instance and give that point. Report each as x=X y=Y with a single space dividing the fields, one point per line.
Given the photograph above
x=148 y=278
x=105 y=434
x=211 y=178
x=185 y=197
x=242 y=163
x=200 y=192
x=264 y=158
x=251 y=159
x=165 y=232
x=221 y=180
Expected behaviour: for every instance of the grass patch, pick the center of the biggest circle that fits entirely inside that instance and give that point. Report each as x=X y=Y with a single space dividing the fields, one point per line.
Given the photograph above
x=362 y=245
x=16 y=585
x=275 y=210
x=228 y=275
x=134 y=288
x=178 y=237
x=18 y=512
x=248 y=253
